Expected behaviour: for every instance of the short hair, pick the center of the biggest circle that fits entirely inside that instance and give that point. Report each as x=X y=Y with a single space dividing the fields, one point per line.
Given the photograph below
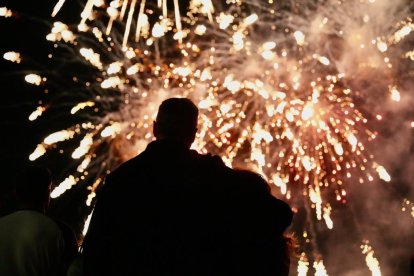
x=33 y=184
x=177 y=118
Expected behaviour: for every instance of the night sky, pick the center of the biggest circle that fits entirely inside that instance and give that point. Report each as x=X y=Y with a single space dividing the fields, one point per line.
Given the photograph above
x=25 y=33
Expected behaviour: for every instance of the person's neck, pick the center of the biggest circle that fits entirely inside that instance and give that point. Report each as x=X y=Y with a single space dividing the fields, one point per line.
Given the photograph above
x=175 y=141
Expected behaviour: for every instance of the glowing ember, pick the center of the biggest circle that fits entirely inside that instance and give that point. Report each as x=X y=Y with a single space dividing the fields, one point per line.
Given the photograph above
x=319 y=268
x=370 y=260
x=12 y=56
x=303 y=265
x=63 y=186
x=5 y=12
x=33 y=79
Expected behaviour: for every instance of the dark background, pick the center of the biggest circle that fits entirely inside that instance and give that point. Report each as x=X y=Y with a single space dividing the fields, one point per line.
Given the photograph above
x=25 y=32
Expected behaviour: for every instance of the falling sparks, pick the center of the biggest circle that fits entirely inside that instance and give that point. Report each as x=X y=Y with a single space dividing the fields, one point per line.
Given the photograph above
x=327 y=216
x=37 y=113
x=408 y=206
x=12 y=56
x=395 y=94
x=281 y=183
x=320 y=269
x=322 y=59
x=382 y=173
x=111 y=130
x=111 y=82
x=5 y=12
x=92 y=194
x=300 y=37
x=34 y=79
x=86 y=224
x=370 y=260
x=59 y=137
x=81 y=106
x=403 y=32
x=410 y=55
x=39 y=151
x=57 y=7
x=84 y=147
x=63 y=186
x=303 y=265
x=60 y=32
x=91 y=56
x=382 y=46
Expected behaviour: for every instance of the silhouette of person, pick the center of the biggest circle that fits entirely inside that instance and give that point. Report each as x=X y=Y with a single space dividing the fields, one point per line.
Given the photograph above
x=169 y=210
x=260 y=221
x=30 y=242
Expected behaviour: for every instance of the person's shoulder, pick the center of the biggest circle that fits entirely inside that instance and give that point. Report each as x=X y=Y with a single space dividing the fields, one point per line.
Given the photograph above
x=125 y=169
x=129 y=165
x=31 y=219
x=207 y=159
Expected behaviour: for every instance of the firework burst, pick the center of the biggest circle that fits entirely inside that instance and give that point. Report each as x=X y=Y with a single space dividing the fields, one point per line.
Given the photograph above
x=285 y=88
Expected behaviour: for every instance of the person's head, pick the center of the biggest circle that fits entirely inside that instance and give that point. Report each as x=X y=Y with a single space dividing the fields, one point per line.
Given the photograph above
x=33 y=188
x=176 y=120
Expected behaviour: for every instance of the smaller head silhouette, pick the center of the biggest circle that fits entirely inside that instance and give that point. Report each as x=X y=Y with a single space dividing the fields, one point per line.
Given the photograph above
x=176 y=120
x=33 y=188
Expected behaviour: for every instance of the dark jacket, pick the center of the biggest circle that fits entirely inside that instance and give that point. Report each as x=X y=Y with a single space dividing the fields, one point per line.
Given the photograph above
x=168 y=211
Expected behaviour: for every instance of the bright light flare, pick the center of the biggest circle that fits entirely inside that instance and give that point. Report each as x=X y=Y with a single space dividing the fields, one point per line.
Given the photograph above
x=395 y=94
x=38 y=152
x=200 y=30
x=34 y=79
x=81 y=106
x=224 y=20
x=299 y=37
x=320 y=269
x=114 y=68
x=5 y=12
x=403 y=32
x=327 y=216
x=111 y=130
x=57 y=7
x=371 y=261
x=86 y=224
x=12 y=56
x=92 y=57
x=251 y=19
x=281 y=183
x=37 y=113
x=307 y=112
x=111 y=82
x=60 y=31
x=303 y=265
x=63 y=186
x=59 y=137
x=84 y=147
x=382 y=173
x=382 y=46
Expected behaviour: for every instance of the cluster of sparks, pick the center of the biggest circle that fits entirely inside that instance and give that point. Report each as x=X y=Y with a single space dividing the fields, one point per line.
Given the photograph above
x=370 y=260
x=270 y=95
x=303 y=267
